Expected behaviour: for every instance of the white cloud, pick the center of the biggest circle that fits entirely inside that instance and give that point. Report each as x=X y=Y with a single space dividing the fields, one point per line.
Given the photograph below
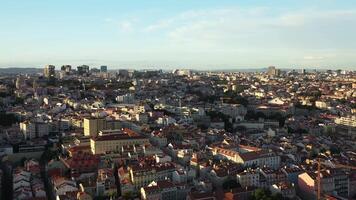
x=251 y=36
x=126 y=26
x=232 y=23
x=314 y=57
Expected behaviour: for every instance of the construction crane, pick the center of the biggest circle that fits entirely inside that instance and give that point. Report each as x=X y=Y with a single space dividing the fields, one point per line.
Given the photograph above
x=319 y=176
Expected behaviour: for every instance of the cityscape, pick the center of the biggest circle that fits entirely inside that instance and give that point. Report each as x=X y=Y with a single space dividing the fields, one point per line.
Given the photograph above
x=177 y=100
x=88 y=133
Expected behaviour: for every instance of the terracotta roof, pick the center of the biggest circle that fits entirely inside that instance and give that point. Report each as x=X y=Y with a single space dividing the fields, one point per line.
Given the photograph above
x=119 y=136
x=253 y=155
x=160 y=185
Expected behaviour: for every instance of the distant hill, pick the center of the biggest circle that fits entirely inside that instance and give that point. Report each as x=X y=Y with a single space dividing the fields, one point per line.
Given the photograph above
x=237 y=70
x=19 y=70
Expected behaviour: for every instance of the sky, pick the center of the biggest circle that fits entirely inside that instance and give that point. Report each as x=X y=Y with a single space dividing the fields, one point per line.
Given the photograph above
x=195 y=34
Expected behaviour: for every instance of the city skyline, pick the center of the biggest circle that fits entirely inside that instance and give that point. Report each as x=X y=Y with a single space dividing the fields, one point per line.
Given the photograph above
x=202 y=35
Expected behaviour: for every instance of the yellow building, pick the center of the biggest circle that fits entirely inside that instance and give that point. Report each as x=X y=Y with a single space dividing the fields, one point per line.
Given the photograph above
x=115 y=140
x=347 y=121
x=49 y=71
x=92 y=126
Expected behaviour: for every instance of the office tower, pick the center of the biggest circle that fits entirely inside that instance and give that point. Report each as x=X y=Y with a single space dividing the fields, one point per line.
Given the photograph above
x=93 y=125
x=103 y=69
x=49 y=71
x=303 y=71
x=66 y=68
x=83 y=69
x=272 y=71
x=19 y=82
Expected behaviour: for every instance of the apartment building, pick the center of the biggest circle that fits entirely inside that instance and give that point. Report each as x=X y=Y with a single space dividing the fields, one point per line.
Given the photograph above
x=260 y=158
x=32 y=130
x=115 y=140
x=144 y=173
x=248 y=177
x=92 y=126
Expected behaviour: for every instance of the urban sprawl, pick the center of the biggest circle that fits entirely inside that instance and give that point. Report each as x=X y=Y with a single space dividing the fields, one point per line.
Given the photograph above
x=81 y=133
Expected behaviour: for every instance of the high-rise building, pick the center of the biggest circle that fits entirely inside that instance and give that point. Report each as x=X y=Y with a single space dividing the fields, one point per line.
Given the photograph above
x=49 y=71
x=66 y=68
x=273 y=71
x=32 y=130
x=92 y=126
x=83 y=69
x=103 y=69
x=19 y=82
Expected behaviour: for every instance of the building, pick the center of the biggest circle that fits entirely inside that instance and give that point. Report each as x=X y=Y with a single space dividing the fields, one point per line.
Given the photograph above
x=346 y=126
x=292 y=173
x=346 y=121
x=269 y=177
x=66 y=68
x=322 y=104
x=115 y=140
x=164 y=190
x=92 y=126
x=27 y=183
x=126 y=99
x=202 y=196
x=248 y=177
x=341 y=182
x=63 y=186
x=307 y=183
x=286 y=189
x=259 y=158
x=1 y=180
x=105 y=184
x=49 y=71
x=241 y=193
x=19 y=82
x=83 y=69
x=81 y=163
x=235 y=111
x=273 y=71
x=34 y=129
x=143 y=174
x=103 y=69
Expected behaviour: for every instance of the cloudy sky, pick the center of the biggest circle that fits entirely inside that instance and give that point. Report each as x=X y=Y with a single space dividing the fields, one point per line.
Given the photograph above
x=199 y=34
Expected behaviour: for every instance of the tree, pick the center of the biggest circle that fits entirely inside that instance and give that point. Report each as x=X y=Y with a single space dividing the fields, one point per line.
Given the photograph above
x=8 y=119
x=19 y=100
x=353 y=105
x=334 y=150
x=128 y=195
x=229 y=184
x=255 y=116
x=263 y=194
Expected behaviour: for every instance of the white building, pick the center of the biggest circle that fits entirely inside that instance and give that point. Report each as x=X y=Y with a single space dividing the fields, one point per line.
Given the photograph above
x=248 y=178
x=322 y=104
x=32 y=130
x=126 y=99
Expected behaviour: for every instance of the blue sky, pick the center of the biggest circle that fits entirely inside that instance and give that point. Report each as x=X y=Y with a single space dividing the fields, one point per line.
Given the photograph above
x=199 y=34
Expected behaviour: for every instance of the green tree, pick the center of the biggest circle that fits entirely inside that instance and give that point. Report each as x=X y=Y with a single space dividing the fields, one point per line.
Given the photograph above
x=262 y=194
x=8 y=119
x=229 y=184
x=128 y=195
x=334 y=150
